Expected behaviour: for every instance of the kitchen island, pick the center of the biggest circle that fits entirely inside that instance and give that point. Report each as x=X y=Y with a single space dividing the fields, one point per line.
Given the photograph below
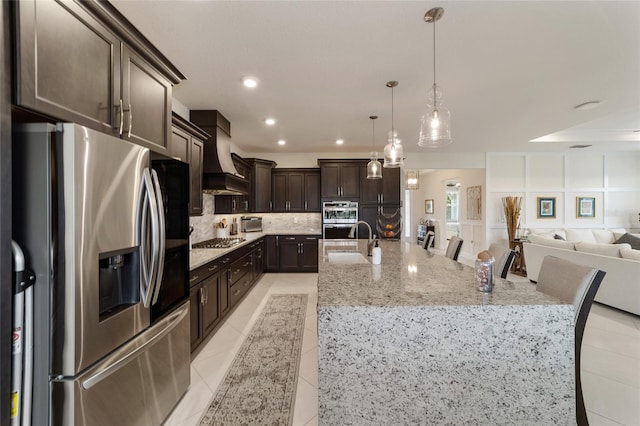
x=411 y=341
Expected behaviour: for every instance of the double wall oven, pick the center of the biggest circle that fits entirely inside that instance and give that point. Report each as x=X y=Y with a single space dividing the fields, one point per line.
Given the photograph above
x=337 y=218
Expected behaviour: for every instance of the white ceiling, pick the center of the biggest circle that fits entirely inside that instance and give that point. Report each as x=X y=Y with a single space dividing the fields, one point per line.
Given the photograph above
x=510 y=72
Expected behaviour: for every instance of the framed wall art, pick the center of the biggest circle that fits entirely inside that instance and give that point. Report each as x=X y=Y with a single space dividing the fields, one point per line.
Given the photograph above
x=546 y=207
x=585 y=207
x=474 y=202
x=428 y=206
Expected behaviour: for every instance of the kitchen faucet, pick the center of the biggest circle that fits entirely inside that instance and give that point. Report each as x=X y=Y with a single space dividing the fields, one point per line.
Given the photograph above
x=372 y=238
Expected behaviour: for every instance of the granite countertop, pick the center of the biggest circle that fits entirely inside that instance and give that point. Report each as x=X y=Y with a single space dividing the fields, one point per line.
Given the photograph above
x=411 y=276
x=200 y=257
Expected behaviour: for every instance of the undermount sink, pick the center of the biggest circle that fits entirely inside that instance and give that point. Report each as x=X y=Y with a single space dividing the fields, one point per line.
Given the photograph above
x=346 y=257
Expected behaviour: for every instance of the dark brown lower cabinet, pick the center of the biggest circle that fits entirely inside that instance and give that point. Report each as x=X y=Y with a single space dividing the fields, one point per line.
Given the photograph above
x=271 y=263
x=218 y=286
x=195 y=308
x=298 y=253
x=211 y=311
x=205 y=304
x=289 y=254
x=309 y=254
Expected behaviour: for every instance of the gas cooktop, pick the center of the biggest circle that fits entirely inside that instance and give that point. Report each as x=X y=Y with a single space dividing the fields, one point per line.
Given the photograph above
x=220 y=242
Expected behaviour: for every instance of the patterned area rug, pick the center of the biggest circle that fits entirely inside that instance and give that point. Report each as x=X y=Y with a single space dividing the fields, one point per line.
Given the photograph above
x=260 y=386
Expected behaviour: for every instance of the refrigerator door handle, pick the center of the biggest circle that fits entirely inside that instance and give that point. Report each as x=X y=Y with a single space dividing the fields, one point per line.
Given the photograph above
x=148 y=262
x=111 y=365
x=161 y=237
x=141 y=226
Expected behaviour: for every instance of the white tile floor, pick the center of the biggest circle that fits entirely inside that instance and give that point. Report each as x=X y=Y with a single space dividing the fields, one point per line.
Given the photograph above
x=610 y=363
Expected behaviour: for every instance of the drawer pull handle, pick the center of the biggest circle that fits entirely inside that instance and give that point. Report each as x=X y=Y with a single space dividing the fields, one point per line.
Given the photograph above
x=225 y=260
x=195 y=277
x=235 y=293
x=213 y=268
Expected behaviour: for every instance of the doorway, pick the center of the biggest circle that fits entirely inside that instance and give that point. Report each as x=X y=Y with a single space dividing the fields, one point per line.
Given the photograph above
x=452 y=217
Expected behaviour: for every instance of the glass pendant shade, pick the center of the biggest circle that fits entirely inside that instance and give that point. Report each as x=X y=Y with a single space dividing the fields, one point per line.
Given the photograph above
x=412 y=181
x=374 y=168
x=393 y=151
x=435 y=127
x=393 y=154
x=435 y=124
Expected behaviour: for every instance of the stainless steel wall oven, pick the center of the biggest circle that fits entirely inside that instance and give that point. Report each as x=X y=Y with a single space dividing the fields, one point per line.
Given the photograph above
x=337 y=218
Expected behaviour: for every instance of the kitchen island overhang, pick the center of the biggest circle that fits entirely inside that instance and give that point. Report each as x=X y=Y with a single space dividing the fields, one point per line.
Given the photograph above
x=411 y=341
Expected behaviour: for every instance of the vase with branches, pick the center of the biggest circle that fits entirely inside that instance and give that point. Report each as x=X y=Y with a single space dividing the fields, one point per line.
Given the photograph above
x=512 y=206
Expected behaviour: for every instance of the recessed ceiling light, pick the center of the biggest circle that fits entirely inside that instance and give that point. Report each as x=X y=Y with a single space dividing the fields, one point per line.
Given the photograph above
x=587 y=105
x=270 y=121
x=249 y=82
x=339 y=142
x=282 y=142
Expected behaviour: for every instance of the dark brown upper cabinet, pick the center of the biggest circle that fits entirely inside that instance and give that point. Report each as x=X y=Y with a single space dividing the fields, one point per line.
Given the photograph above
x=380 y=191
x=340 y=179
x=186 y=145
x=84 y=62
x=295 y=190
x=260 y=194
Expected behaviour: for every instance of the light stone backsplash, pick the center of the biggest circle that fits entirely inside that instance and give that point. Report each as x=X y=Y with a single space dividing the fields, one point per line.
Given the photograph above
x=295 y=223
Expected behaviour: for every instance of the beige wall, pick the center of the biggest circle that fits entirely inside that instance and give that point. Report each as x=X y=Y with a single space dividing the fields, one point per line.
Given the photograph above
x=433 y=186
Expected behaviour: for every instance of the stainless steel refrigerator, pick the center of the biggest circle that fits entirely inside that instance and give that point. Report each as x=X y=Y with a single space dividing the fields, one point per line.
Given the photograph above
x=89 y=214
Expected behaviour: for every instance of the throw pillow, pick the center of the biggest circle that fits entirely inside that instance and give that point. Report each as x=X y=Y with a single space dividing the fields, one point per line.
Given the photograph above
x=550 y=242
x=576 y=235
x=630 y=254
x=559 y=237
x=603 y=236
x=633 y=241
x=612 y=250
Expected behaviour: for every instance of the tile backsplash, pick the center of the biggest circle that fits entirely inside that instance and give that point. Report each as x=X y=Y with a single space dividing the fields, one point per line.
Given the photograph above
x=203 y=226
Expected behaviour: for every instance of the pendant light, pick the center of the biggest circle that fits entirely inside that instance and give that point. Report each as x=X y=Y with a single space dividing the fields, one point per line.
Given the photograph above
x=393 y=151
x=412 y=180
x=435 y=125
x=374 y=168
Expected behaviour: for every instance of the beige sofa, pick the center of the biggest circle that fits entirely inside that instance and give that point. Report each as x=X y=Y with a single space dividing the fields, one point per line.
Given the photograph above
x=621 y=285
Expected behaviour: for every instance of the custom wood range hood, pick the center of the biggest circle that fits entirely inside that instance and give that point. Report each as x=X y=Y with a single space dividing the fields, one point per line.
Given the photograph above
x=219 y=174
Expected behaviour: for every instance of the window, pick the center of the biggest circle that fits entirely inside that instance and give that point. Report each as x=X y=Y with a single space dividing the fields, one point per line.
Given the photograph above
x=452 y=214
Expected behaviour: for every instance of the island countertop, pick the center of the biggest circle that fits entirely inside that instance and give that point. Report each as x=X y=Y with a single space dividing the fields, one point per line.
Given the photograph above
x=412 y=341
x=410 y=276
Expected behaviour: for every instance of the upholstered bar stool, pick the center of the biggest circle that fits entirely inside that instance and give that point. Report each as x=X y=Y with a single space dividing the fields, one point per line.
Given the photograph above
x=576 y=284
x=453 y=249
x=428 y=240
